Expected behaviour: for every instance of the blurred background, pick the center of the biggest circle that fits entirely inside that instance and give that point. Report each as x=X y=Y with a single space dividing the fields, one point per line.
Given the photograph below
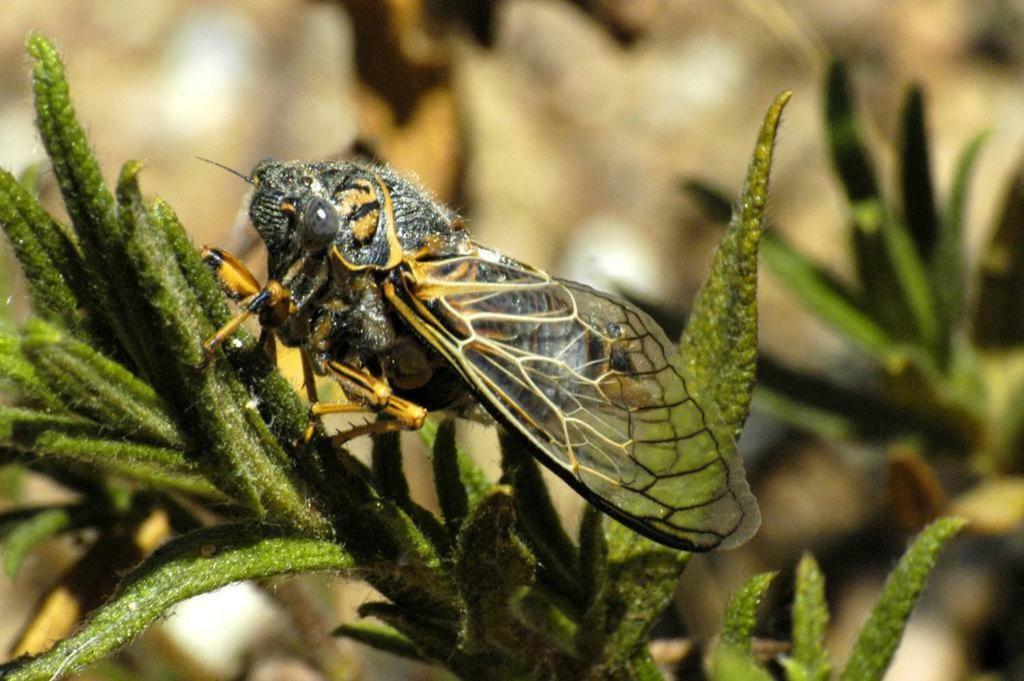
x=564 y=131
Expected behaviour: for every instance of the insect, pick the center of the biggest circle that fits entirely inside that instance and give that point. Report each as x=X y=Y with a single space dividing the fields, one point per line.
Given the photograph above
x=382 y=289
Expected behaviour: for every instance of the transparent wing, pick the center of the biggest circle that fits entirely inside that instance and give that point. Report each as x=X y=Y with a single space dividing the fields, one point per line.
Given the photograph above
x=593 y=383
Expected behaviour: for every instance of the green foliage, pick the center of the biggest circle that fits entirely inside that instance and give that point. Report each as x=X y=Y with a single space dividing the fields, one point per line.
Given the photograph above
x=809 y=661
x=113 y=400
x=810 y=618
x=945 y=367
x=880 y=636
x=741 y=613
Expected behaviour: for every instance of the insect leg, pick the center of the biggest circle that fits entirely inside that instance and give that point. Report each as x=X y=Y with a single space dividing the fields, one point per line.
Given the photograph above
x=406 y=416
x=378 y=398
x=272 y=295
x=308 y=377
x=235 y=276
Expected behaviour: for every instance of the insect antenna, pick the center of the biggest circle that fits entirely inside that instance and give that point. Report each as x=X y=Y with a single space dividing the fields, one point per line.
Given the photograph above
x=230 y=170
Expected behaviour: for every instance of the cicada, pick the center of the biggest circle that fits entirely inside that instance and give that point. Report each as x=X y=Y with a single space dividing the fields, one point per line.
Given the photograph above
x=382 y=289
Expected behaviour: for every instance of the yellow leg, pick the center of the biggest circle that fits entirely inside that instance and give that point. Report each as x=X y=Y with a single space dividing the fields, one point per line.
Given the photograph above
x=370 y=429
x=236 y=277
x=271 y=296
x=378 y=398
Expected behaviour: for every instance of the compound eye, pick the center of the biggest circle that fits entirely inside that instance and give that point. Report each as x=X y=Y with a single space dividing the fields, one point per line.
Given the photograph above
x=319 y=223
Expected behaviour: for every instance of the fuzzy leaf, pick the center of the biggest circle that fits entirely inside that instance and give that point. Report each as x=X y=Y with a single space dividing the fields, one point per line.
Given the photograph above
x=825 y=296
x=593 y=554
x=381 y=637
x=155 y=466
x=878 y=640
x=472 y=478
x=818 y=405
x=190 y=565
x=491 y=567
x=592 y=633
x=879 y=241
x=810 y=618
x=999 y=315
x=732 y=663
x=98 y=387
x=433 y=638
x=285 y=414
x=46 y=251
x=76 y=439
x=550 y=623
x=1013 y=425
x=386 y=457
x=949 y=279
x=225 y=421
x=720 y=342
x=715 y=203
x=18 y=373
x=451 y=493
x=741 y=613
x=537 y=519
x=30 y=533
x=641 y=579
x=916 y=187
x=86 y=197
x=20 y=428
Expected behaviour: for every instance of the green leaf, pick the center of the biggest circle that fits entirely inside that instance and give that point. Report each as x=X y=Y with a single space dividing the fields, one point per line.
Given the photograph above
x=139 y=288
x=539 y=522
x=1012 y=435
x=433 y=638
x=93 y=385
x=732 y=663
x=473 y=481
x=285 y=414
x=491 y=567
x=545 y=619
x=593 y=554
x=381 y=637
x=224 y=419
x=720 y=342
x=641 y=578
x=46 y=251
x=592 y=633
x=999 y=311
x=810 y=618
x=916 y=189
x=741 y=613
x=20 y=428
x=19 y=374
x=86 y=197
x=386 y=457
x=818 y=405
x=31 y=532
x=878 y=640
x=451 y=492
x=196 y=563
x=877 y=237
x=158 y=467
x=76 y=439
x=712 y=200
x=948 y=275
x=825 y=296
